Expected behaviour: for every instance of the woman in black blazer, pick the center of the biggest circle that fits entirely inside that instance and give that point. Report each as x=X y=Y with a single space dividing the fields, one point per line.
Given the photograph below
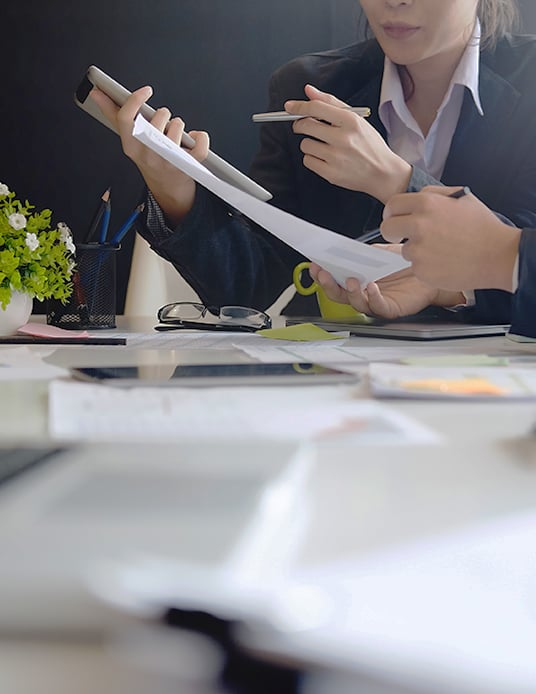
x=229 y=260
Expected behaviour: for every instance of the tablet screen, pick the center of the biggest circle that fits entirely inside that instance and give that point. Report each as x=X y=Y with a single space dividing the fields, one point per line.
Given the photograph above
x=215 y=374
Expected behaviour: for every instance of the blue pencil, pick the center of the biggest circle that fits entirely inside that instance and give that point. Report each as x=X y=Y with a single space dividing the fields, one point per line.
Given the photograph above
x=118 y=236
x=98 y=215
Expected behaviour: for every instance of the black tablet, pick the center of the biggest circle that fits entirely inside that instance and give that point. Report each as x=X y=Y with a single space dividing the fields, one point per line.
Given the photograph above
x=210 y=375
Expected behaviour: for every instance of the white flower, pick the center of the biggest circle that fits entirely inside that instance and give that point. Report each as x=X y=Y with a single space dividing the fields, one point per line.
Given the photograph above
x=71 y=267
x=32 y=241
x=70 y=245
x=17 y=220
x=4 y=190
x=65 y=232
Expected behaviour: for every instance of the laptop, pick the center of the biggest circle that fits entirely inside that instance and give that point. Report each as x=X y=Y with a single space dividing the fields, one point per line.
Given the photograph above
x=65 y=511
x=406 y=329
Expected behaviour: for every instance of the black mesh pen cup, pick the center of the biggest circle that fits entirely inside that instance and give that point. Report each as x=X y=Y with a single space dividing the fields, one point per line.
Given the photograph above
x=93 y=301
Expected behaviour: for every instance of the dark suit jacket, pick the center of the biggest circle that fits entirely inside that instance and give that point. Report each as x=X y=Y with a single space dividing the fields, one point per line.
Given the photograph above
x=229 y=260
x=524 y=301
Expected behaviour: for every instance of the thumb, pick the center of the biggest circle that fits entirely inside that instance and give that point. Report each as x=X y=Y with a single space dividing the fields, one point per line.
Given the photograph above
x=314 y=93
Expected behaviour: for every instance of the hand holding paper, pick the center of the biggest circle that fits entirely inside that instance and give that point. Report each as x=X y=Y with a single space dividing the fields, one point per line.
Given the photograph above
x=339 y=255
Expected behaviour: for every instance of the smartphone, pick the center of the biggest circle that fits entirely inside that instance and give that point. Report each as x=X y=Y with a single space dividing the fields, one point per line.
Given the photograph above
x=95 y=77
x=211 y=375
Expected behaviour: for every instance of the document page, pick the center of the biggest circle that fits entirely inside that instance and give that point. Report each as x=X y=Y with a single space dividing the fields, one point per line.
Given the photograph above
x=341 y=256
x=83 y=411
x=452 y=383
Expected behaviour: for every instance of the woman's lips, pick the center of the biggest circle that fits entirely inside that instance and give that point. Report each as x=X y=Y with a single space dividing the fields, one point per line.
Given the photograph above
x=399 y=31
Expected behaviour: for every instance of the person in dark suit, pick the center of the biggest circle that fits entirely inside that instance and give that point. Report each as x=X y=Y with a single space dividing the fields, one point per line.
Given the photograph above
x=452 y=97
x=461 y=244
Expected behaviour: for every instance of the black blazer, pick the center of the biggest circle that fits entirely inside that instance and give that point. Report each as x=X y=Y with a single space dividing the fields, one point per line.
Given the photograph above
x=524 y=302
x=227 y=259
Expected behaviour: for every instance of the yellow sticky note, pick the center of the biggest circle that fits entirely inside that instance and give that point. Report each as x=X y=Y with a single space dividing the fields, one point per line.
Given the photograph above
x=456 y=386
x=303 y=332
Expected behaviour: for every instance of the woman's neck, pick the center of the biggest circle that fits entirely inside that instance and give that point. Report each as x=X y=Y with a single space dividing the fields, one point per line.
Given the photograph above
x=426 y=83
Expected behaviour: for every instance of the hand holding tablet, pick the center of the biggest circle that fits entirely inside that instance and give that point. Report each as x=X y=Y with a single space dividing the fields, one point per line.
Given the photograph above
x=95 y=77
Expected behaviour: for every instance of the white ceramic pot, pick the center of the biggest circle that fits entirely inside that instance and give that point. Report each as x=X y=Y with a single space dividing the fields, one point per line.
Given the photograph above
x=16 y=313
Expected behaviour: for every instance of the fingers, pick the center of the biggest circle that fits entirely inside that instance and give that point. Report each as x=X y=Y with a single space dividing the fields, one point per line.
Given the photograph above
x=175 y=127
x=441 y=190
x=357 y=296
x=402 y=204
x=130 y=109
x=162 y=118
x=315 y=93
x=409 y=203
x=333 y=289
x=378 y=306
x=321 y=105
x=395 y=229
x=314 y=269
x=353 y=294
x=201 y=146
x=106 y=105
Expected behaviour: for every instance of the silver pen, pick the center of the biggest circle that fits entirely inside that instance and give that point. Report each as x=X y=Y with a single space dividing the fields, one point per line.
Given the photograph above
x=363 y=111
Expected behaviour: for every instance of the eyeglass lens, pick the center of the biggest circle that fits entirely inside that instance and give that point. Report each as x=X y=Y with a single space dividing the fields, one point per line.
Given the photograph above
x=243 y=315
x=235 y=315
x=182 y=310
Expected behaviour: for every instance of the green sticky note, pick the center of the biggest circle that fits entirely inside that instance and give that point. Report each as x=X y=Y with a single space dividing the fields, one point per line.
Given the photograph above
x=303 y=332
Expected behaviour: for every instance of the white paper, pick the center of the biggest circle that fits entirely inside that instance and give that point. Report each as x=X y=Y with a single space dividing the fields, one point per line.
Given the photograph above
x=341 y=256
x=455 y=613
x=82 y=411
x=452 y=382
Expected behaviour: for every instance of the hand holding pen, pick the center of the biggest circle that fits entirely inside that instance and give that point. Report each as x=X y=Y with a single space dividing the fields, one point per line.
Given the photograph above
x=453 y=244
x=344 y=148
x=375 y=234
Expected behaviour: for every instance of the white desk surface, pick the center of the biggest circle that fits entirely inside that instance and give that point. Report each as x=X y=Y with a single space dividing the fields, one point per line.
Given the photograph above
x=360 y=500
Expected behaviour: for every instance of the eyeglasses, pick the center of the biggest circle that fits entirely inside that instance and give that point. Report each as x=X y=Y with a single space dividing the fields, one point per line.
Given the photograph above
x=190 y=314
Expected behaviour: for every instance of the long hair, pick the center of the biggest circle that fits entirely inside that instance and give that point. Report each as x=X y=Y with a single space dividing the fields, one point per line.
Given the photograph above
x=497 y=18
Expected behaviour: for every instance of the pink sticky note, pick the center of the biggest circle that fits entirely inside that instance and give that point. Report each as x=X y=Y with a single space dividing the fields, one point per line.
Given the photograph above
x=44 y=330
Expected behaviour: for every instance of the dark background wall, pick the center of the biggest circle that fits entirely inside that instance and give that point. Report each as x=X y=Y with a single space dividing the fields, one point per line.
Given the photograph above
x=208 y=60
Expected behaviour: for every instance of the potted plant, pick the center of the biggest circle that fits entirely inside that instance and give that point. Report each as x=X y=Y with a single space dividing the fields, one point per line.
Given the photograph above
x=36 y=259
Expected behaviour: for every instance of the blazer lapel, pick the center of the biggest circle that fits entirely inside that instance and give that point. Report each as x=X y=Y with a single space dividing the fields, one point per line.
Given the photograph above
x=477 y=137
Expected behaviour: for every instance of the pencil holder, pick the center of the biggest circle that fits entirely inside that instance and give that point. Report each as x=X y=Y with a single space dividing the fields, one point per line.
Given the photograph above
x=93 y=301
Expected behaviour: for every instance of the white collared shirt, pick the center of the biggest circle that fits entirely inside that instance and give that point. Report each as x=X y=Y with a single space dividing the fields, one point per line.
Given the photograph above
x=404 y=135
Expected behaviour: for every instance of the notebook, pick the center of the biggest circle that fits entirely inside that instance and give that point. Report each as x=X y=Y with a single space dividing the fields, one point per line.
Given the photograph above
x=406 y=329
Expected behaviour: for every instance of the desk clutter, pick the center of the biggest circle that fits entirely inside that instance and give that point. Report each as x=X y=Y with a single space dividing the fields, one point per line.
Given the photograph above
x=168 y=515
